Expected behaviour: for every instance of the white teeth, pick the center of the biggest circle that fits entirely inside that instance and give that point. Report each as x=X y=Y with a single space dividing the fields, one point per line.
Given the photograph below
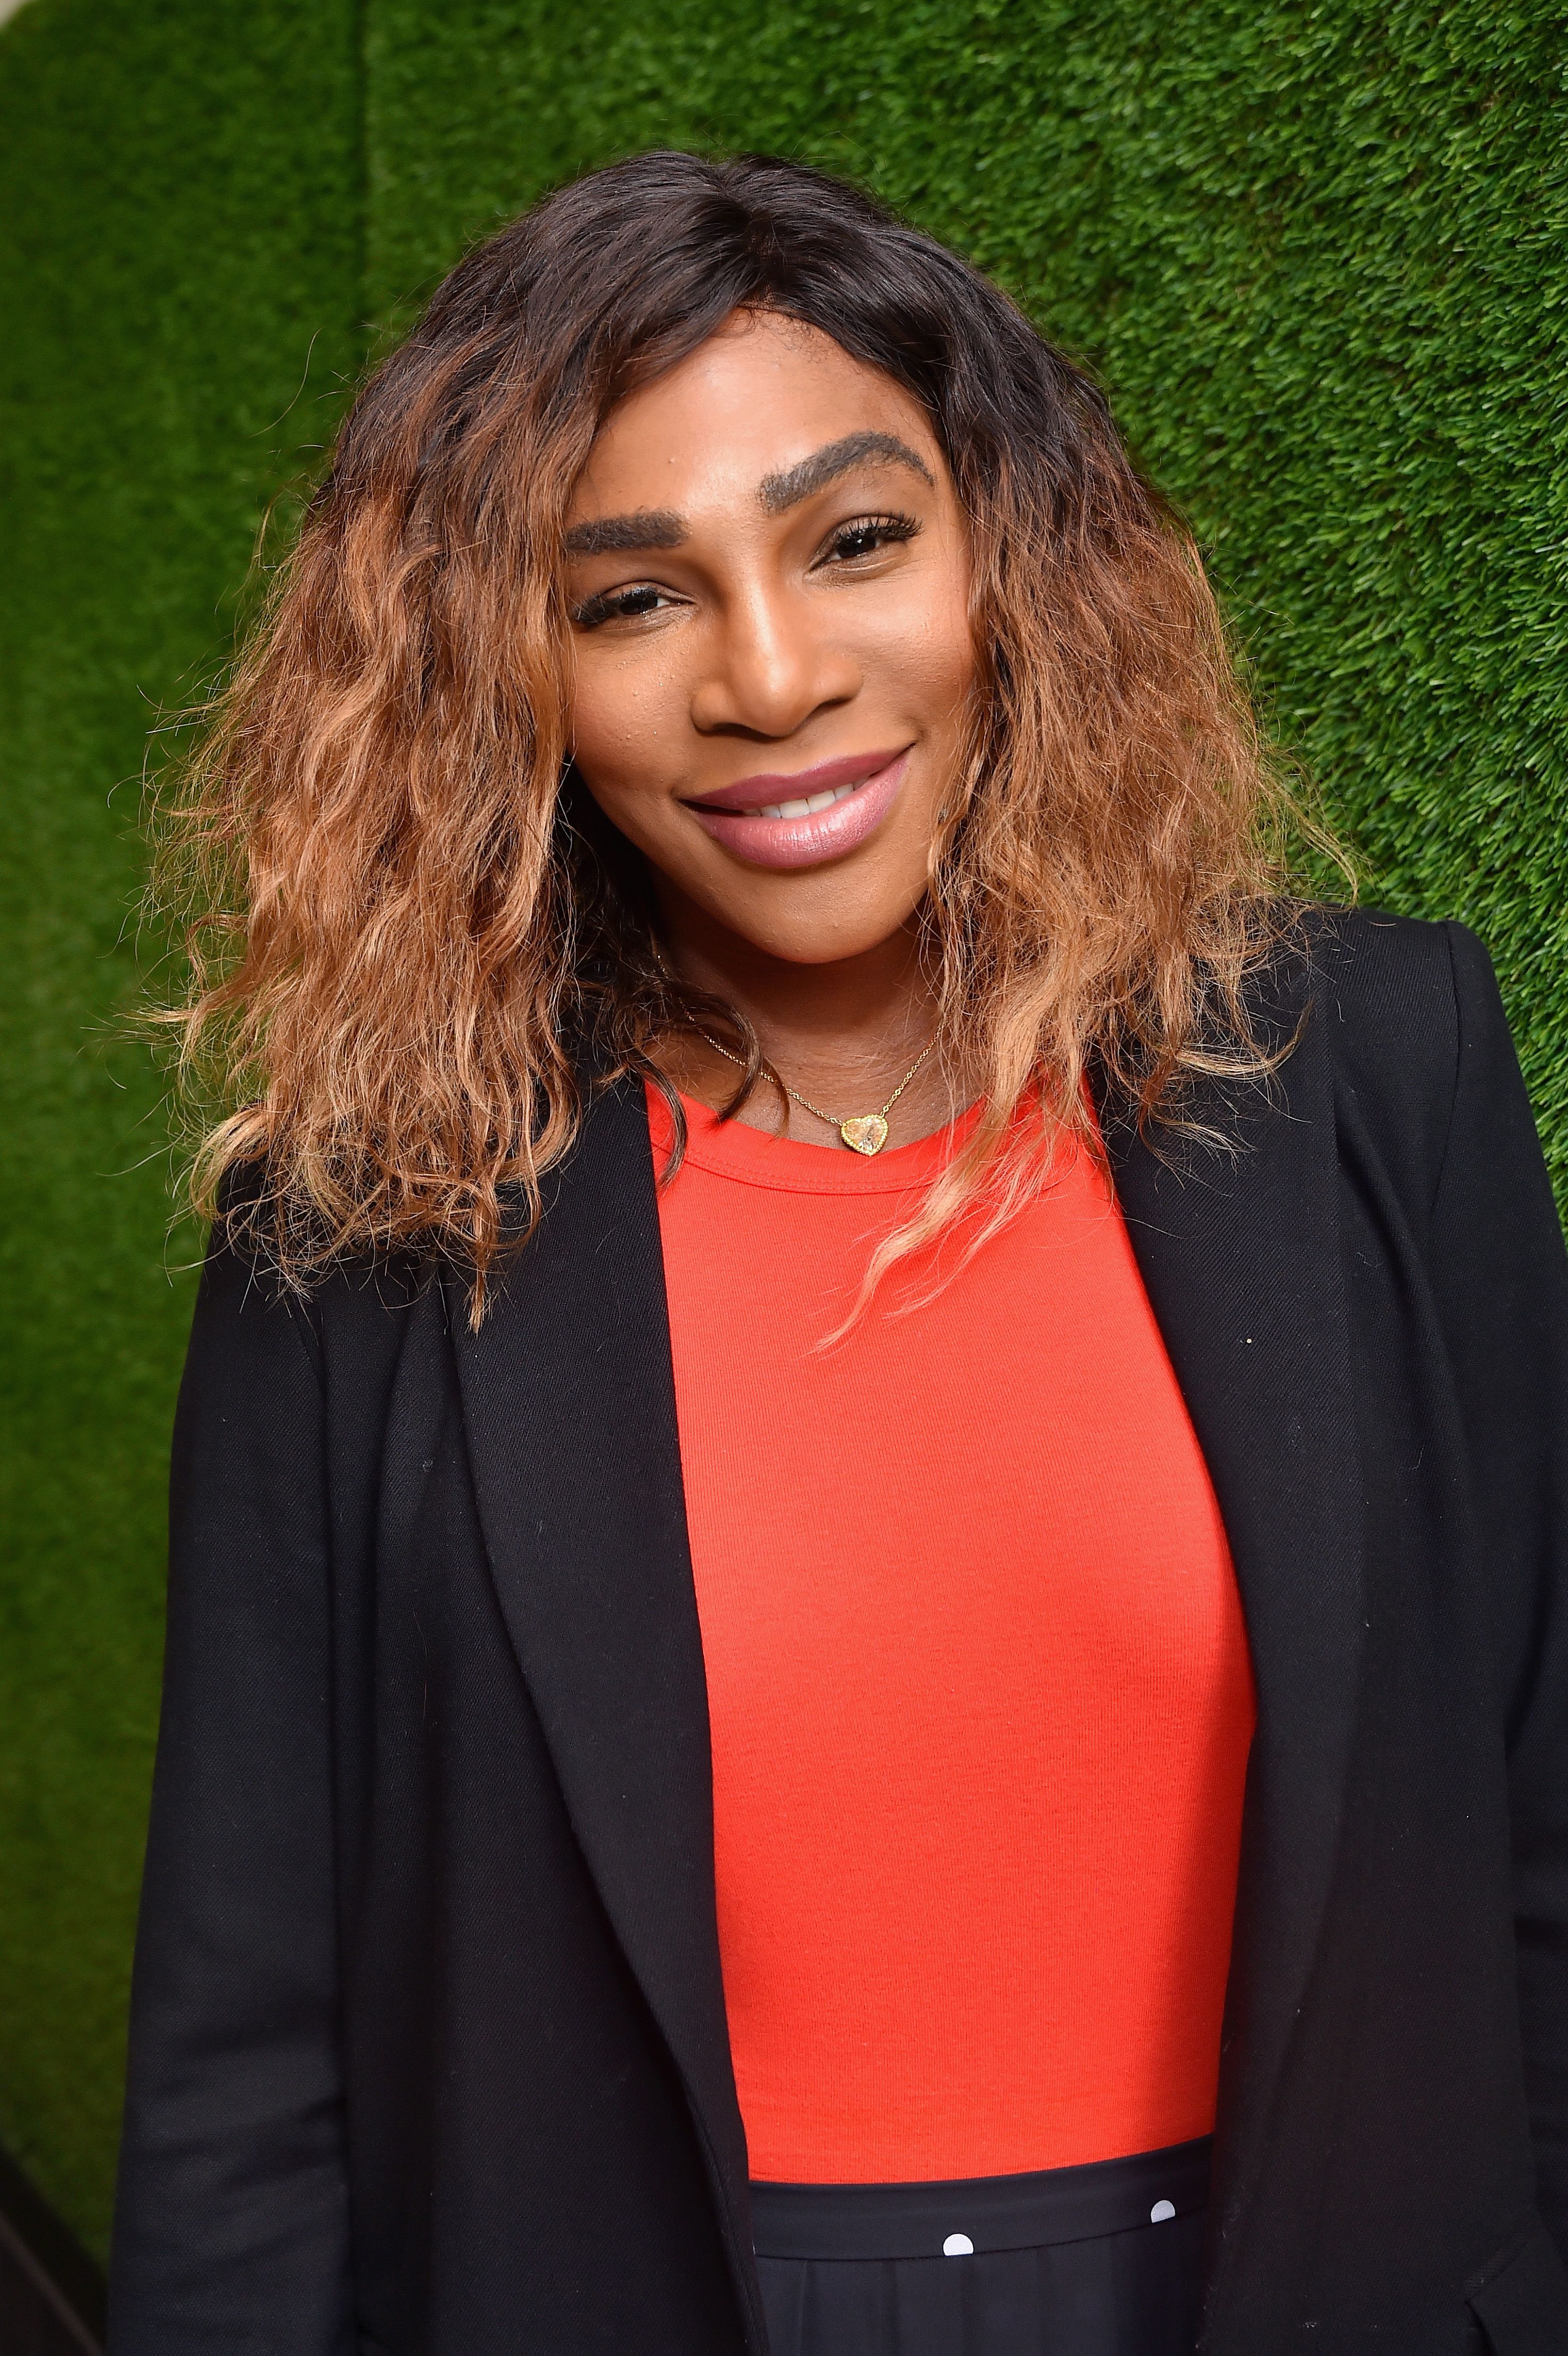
x=807 y=809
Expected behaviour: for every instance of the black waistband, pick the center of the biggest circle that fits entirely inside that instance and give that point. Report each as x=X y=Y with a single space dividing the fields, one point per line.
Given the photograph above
x=987 y=2213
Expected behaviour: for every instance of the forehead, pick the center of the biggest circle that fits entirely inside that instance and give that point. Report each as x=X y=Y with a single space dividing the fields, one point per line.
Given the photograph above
x=757 y=398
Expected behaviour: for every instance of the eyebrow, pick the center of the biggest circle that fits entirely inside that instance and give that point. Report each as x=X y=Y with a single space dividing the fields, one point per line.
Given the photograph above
x=662 y=528
x=604 y=535
x=777 y=492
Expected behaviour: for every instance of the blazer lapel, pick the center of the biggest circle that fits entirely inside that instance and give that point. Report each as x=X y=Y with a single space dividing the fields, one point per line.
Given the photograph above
x=1241 y=1255
x=568 y=1400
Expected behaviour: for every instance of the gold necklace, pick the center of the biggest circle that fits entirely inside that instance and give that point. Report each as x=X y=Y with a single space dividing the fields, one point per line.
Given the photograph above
x=863 y=1133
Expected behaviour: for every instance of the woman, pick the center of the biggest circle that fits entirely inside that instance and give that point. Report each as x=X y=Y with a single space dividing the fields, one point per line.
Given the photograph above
x=867 y=1642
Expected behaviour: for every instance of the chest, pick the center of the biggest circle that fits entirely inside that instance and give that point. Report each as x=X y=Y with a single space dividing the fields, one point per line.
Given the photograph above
x=968 y=1547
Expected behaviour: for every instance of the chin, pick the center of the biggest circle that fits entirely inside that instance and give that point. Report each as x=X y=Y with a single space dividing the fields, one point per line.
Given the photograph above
x=821 y=941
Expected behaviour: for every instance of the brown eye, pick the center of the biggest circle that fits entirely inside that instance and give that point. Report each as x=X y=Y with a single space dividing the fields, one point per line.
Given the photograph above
x=617 y=605
x=866 y=536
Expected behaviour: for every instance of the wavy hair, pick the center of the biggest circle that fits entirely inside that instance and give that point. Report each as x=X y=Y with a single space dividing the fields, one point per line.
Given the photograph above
x=410 y=938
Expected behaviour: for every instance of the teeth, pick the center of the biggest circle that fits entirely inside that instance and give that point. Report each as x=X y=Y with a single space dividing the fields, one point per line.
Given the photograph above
x=806 y=809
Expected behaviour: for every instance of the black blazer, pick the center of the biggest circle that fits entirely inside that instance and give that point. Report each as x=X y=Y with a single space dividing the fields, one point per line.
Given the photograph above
x=428 y=2051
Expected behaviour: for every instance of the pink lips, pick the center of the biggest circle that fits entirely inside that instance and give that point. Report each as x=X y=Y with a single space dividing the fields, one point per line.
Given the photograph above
x=731 y=814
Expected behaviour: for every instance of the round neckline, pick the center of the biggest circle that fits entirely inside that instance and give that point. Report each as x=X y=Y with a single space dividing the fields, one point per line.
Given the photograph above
x=730 y=1149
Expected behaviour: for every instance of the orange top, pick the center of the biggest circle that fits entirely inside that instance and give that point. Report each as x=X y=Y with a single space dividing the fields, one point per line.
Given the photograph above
x=980 y=1693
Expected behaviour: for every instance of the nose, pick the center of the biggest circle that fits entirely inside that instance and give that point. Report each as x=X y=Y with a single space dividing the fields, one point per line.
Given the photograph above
x=772 y=662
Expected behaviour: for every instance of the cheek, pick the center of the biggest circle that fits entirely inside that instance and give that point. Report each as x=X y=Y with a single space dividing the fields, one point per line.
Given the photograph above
x=620 y=716
x=925 y=655
x=948 y=659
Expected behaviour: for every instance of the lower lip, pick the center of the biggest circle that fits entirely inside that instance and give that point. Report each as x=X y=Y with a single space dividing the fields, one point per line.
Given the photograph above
x=808 y=841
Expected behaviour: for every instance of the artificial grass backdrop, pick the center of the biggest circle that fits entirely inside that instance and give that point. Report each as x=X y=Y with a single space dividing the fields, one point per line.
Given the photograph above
x=1318 y=254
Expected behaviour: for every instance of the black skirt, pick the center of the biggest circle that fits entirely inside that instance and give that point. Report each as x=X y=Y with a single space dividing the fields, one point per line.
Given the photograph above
x=1106 y=2260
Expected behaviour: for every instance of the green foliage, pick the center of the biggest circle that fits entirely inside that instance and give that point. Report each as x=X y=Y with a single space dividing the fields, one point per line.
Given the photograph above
x=1316 y=253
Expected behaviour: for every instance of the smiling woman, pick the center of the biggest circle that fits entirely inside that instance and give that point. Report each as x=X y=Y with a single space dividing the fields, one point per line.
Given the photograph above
x=893 y=528
x=865 y=1645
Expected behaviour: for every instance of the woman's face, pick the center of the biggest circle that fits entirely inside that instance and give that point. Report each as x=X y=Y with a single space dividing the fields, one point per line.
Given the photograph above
x=768 y=578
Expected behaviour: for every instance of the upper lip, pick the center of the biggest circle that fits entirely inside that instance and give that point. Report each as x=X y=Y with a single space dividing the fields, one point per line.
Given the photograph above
x=767 y=787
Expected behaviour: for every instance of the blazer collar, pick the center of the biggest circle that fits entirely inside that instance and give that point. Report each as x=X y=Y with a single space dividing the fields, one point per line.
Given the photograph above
x=568 y=1400
x=1240 y=1255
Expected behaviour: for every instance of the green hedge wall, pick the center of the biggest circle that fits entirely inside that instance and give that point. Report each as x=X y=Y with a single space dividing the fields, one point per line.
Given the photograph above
x=180 y=227
x=1317 y=256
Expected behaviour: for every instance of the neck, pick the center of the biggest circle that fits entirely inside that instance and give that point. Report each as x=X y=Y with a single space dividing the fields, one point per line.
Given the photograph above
x=843 y=1032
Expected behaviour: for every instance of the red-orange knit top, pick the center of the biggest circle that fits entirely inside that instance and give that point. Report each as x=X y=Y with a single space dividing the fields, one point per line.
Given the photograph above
x=979 y=1688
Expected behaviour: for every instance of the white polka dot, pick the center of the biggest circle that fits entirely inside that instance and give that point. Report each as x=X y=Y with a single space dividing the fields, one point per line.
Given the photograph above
x=1161 y=2212
x=958 y=2245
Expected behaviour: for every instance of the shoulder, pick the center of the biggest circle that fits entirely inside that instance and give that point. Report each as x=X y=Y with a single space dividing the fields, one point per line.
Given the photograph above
x=1402 y=1007
x=1399 y=994
x=1385 y=977
x=249 y=1304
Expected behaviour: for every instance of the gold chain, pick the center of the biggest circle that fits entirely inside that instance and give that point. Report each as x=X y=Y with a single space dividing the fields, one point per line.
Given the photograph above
x=864 y=1132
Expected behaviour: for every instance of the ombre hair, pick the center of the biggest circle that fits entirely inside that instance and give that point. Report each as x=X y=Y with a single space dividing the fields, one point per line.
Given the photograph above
x=415 y=949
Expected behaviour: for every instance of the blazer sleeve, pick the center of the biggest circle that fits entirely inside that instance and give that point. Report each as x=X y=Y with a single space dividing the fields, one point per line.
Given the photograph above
x=230 y=2228
x=1501 y=1274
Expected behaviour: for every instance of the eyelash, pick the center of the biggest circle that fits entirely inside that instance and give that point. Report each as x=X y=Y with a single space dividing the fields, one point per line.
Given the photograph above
x=889 y=530
x=611 y=605
x=618 y=605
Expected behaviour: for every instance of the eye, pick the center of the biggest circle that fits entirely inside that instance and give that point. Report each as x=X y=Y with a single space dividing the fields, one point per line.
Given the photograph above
x=850 y=543
x=619 y=605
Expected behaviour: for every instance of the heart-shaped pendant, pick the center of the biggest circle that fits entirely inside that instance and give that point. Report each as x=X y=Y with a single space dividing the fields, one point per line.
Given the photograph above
x=868 y=1132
